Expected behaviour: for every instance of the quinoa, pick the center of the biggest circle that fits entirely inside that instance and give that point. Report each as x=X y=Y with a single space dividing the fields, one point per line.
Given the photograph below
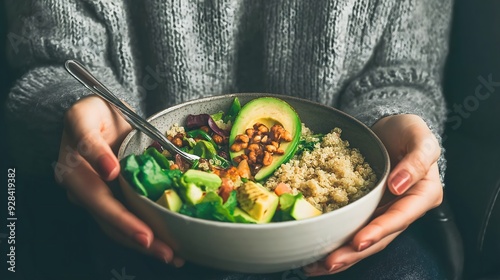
x=175 y=129
x=330 y=176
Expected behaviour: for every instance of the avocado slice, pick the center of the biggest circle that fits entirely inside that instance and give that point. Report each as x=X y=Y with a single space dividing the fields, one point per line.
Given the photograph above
x=302 y=209
x=268 y=111
x=191 y=193
x=257 y=201
x=170 y=200
x=195 y=183
x=286 y=202
x=241 y=216
x=204 y=180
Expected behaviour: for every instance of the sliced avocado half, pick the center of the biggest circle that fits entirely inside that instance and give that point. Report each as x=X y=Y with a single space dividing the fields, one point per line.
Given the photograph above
x=268 y=111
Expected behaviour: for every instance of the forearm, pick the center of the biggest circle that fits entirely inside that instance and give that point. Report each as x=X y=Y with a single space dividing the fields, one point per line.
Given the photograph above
x=405 y=73
x=396 y=90
x=34 y=112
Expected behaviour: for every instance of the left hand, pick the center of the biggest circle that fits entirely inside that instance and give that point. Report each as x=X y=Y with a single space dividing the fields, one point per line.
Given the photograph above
x=415 y=188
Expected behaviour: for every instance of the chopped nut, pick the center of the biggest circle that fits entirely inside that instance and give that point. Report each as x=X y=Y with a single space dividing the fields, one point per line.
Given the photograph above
x=260 y=144
x=249 y=132
x=205 y=128
x=267 y=159
x=253 y=147
x=242 y=138
x=286 y=136
x=219 y=140
x=270 y=148
x=252 y=157
x=262 y=128
x=256 y=139
x=174 y=166
x=236 y=147
x=177 y=141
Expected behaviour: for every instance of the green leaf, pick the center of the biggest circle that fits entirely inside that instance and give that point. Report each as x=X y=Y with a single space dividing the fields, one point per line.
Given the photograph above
x=308 y=143
x=212 y=208
x=204 y=149
x=160 y=159
x=231 y=202
x=152 y=177
x=233 y=110
x=220 y=161
x=147 y=177
x=130 y=170
x=201 y=134
x=188 y=210
x=217 y=116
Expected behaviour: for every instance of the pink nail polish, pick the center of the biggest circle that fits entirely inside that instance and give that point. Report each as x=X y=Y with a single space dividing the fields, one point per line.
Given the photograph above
x=162 y=256
x=364 y=245
x=400 y=182
x=106 y=165
x=142 y=239
x=335 y=266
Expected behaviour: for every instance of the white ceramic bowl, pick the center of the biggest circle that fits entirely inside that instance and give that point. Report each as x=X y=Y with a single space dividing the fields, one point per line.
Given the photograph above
x=261 y=248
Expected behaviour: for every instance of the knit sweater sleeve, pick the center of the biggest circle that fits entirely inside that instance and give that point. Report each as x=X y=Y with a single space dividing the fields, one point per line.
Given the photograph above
x=404 y=75
x=46 y=34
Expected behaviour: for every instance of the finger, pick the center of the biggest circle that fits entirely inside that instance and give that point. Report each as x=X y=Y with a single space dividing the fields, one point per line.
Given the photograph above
x=345 y=257
x=86 y=189
x=99 y=154
x=421 y=152
x=93 y=194
x=157 y=248
x=92 y=134
x=423 y=196
x=92 y=149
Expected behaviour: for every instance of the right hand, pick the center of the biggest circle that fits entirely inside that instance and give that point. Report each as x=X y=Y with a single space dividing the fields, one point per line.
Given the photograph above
x=92 y=132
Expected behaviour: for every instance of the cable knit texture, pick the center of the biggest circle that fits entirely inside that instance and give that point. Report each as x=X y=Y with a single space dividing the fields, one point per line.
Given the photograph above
x=369 y=58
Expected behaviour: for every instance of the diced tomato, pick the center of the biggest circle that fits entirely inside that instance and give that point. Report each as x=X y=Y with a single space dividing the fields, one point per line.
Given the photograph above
x=225 y=189
x=282 y=188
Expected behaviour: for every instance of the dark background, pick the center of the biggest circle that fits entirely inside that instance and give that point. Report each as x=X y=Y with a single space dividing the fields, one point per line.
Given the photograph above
x=4 y=79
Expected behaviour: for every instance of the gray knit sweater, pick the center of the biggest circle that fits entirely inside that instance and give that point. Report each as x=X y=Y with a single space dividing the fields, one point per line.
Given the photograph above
x=369 y=58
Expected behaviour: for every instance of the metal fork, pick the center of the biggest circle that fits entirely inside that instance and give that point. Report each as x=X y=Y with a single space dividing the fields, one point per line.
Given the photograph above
x=83 y=75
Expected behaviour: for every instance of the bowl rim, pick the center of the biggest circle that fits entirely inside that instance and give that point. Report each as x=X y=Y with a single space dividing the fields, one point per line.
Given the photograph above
x=381 y=182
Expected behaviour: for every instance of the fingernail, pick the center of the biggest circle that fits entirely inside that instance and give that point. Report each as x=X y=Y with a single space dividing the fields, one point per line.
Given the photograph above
x=364 y=245
x=160 y=255
x=106 y=165
x=400 y=181
x=142 y=239
x=335 y=266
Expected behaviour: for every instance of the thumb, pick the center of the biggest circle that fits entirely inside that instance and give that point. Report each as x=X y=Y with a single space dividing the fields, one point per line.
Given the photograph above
x=422 y=151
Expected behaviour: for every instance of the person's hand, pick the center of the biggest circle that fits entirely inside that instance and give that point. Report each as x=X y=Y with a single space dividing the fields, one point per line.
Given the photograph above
x=414 y=185
x=92 y=131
